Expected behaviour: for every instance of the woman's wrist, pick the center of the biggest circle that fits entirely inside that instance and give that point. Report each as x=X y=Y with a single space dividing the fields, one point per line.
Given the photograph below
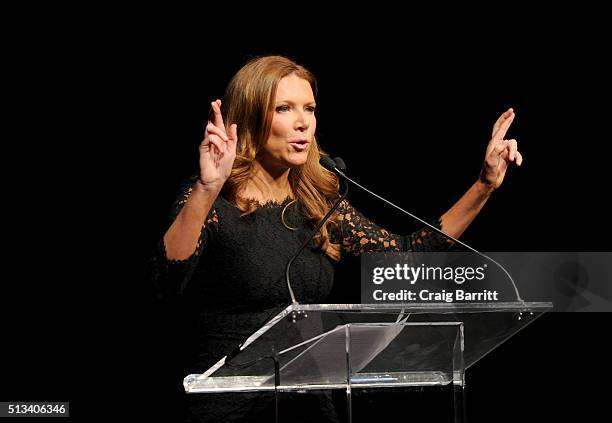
x=206 y=187
x=483 y=188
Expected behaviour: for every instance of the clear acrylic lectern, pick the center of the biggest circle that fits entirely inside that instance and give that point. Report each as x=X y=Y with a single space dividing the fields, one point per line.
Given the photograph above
x=351 y=347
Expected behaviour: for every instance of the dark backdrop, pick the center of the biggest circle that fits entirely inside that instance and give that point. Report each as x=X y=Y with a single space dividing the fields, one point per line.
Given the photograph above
x=409 y=111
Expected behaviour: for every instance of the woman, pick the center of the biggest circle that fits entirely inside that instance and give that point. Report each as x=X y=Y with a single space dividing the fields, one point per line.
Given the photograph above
x=259 y=192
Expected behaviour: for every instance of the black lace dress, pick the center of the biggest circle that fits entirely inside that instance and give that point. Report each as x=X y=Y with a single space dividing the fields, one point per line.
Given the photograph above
x=236 y=278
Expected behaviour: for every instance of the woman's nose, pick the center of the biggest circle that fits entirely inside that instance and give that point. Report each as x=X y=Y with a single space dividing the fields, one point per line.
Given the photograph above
x=302 y=122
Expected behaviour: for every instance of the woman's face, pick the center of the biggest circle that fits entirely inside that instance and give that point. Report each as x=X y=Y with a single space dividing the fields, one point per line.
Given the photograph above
x=293 y=125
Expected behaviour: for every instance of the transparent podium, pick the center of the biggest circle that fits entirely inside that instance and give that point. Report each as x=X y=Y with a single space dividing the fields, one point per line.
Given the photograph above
x=352 y=348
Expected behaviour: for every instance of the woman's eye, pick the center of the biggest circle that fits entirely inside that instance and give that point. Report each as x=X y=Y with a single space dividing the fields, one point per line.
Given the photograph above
x=286 y=108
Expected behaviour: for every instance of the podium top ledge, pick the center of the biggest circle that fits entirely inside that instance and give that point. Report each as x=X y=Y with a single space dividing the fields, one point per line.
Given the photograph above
x=539 y=307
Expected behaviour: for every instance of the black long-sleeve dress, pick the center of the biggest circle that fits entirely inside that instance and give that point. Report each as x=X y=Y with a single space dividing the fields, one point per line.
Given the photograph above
x=235 y=279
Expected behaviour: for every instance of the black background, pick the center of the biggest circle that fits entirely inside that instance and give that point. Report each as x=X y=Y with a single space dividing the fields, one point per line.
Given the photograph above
x=108 y=116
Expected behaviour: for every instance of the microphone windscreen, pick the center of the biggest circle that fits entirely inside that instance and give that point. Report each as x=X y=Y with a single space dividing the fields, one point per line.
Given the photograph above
x=340 y=163
x=327 y=163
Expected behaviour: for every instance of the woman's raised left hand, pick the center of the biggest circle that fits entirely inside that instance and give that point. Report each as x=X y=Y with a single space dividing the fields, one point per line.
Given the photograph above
x=500 y=152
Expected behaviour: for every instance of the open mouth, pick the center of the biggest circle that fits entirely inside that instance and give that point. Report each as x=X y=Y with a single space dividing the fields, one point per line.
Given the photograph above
x=299 y=145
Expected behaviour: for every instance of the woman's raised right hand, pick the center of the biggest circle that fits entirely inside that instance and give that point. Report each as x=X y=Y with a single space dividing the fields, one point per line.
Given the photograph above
x=217 y=150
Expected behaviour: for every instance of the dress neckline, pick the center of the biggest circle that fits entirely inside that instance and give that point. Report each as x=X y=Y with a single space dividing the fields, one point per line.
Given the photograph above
x=274 y=203
x=267 y=204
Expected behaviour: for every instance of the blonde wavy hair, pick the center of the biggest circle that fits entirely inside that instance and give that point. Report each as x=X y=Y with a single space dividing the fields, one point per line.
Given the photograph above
x=249 y=103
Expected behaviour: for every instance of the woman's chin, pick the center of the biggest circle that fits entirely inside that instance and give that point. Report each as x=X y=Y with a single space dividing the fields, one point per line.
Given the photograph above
x=297 y=160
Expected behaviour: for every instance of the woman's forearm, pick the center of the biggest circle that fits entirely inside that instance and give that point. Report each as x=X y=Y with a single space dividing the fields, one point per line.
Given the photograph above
x=182 y=237
x=456 y=220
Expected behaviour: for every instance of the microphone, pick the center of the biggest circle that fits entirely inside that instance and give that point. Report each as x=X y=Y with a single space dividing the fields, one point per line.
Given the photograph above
x=340 y=164
x=325 y=162
x=336 y=166
x=331 y=164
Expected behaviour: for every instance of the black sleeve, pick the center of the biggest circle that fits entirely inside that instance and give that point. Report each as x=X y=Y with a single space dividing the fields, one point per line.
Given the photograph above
x=357 y=234
x=169 y=277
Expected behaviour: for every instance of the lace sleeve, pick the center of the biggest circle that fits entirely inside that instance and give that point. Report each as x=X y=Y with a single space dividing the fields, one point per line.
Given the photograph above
x=357 y=234
x=171 y=276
